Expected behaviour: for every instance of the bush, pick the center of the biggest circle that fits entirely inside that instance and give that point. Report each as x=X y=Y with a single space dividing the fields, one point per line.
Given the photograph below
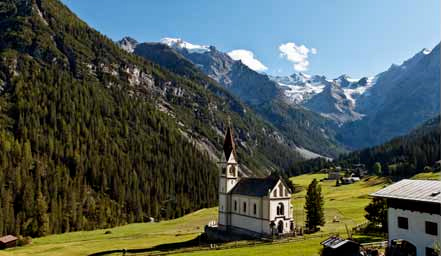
x=21 y=241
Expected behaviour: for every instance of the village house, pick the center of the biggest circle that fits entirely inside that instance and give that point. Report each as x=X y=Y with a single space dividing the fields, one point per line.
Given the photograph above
x=414 y=216
x=251 y=206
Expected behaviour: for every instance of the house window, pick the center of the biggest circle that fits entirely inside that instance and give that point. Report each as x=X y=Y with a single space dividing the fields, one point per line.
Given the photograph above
x=430 y=252
x=244 y=207
x=235 y=205
x=275 y=192
x=403 y=223
x=255 y=209
x=431 y=228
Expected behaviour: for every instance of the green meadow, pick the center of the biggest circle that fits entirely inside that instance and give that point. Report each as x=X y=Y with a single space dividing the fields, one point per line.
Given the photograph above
x=345 y=203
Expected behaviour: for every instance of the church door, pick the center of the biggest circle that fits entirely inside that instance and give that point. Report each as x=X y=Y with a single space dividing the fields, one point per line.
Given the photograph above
x=280 y=227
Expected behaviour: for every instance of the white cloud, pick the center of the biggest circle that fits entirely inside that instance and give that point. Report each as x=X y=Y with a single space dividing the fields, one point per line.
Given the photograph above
x=297 y=54
x=247 y=58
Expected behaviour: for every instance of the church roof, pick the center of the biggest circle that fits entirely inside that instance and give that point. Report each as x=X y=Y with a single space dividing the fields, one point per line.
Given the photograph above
x=229 y=146
x=254 y=186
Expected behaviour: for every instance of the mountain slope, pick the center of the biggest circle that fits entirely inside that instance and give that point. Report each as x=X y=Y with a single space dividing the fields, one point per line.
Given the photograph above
x=92 y=136
x=302 y=129
x=399 y=157
x=406 y=155
x=403 y=97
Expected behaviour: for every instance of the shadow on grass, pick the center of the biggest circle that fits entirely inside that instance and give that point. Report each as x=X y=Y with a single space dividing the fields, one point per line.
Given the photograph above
x=162 y=247
x=362 y=239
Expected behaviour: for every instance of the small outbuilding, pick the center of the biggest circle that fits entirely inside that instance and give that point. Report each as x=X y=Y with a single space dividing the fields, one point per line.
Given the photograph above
x=8 y=241
x=336 y=246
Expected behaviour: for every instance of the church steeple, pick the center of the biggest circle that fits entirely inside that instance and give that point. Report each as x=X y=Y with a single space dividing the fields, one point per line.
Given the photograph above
x=229 y=146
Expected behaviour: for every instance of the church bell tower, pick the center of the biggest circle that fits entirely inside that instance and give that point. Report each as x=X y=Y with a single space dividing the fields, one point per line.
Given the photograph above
x=228 y=177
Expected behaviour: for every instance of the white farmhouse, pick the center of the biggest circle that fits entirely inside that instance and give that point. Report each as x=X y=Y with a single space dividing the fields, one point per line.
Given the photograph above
x=251 y=206
x=414 y=215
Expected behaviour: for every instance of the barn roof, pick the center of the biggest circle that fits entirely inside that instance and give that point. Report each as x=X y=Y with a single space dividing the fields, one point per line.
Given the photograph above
x=254 y=186
x=415 y=190
x=7 y=239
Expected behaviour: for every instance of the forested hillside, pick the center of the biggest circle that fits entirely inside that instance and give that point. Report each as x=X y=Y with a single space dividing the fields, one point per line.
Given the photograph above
x=400 y=157
x=91 y=136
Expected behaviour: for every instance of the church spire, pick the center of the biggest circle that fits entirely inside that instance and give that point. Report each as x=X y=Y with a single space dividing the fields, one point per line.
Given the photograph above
x=229 y=146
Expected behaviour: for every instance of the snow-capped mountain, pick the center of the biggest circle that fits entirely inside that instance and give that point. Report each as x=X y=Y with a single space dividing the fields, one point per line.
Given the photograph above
x=181 y=44
x=399 y=99
x=335 y=99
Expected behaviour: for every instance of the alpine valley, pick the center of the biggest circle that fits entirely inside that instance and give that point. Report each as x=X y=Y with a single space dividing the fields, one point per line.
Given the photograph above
x=96 y=133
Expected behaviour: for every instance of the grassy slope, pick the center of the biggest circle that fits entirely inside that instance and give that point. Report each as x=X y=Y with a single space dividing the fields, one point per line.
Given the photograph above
x=347 y=202
x=140 y=235
x=427 y=176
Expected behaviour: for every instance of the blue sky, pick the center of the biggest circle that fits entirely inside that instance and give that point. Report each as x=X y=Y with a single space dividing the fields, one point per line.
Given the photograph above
x=355 y=37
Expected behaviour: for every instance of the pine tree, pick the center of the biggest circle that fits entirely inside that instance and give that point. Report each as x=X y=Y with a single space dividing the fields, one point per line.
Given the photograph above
x=314 y=206
x=377 y=169
x=376 y=212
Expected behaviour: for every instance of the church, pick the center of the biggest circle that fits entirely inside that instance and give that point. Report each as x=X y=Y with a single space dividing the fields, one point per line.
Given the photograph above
x=251 y=206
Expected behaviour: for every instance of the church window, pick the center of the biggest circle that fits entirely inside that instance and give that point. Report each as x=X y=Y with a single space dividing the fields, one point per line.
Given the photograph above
x=244 y=207
x=280 y=190
x=232 y=181
x=280 y=209
x=286 y=192
x=255 y=209
x=232 y=169
x=275 y=192
x=235 y=205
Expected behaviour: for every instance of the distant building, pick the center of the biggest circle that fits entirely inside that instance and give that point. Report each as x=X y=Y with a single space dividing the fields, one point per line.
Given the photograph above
x=336 y=246
x=8 y=241
x=332 y=175
x=251 y=206
x=414 y=216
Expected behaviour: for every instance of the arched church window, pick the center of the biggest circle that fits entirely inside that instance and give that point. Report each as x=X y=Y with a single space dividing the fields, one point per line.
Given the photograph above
x=235 y=205
x=275 y=192
x=286 y=192
x=280 y=190
x=244 y=207
x=280 y=209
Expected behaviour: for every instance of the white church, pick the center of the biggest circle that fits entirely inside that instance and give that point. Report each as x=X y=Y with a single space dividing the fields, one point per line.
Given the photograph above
x=251 y=206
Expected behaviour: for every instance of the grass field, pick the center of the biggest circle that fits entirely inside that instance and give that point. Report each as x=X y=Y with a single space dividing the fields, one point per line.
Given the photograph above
x=427 y=176
x=347 y=202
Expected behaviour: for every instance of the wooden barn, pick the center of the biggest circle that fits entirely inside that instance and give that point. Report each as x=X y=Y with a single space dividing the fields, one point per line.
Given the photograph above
x=8 y=241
